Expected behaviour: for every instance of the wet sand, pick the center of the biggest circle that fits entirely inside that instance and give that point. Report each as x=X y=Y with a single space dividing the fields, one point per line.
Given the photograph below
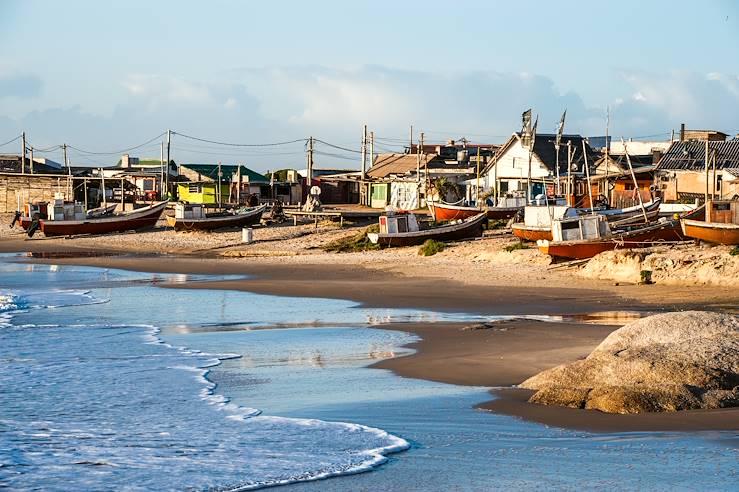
x=503 y=356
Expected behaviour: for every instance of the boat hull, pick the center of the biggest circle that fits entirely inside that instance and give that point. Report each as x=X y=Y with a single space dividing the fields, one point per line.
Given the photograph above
x=135 y=220
x=442 y=212
x=534 y=234
x=712 y=232
x=214 y=223
x=469 y=229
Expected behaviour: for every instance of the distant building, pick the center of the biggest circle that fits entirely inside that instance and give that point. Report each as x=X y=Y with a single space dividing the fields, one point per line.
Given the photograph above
x=681 y=173
x=235 y=184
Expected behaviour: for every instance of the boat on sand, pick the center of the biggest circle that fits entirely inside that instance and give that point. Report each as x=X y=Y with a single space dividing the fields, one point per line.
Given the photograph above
x=402 y=229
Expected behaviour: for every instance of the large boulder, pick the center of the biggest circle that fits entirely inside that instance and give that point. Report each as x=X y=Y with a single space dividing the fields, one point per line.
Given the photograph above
x=662 y=363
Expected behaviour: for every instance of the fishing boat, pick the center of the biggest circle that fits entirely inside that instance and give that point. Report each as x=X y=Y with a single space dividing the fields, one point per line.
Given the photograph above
x=505 y=209
x=584 y=237
x=140 y=218
x=402 y=229
x=628 y=214
x=103 y=211
x=721 y=224
x=537 y=221
x=196 y=220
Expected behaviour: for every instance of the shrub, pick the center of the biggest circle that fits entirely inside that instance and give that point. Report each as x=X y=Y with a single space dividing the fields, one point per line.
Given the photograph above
x=431 y=247
x=516 y=246
x=734 y=251
x=355 y=243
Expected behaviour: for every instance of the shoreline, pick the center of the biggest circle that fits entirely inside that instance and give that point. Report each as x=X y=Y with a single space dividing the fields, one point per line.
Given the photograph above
x=499 y=357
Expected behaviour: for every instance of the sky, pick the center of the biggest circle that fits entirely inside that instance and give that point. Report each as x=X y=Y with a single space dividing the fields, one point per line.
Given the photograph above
x=107 y=76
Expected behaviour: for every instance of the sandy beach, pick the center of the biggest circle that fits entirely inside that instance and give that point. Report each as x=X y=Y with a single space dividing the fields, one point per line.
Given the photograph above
x=475 y=277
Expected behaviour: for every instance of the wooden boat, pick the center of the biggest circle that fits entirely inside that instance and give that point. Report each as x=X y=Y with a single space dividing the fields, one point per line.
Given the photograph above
x=721 y=224
x=101 y=211
x=133 y=220
x=441 y=211
x=239 y=218
x=640 y=236
x=629 y=213
x=403 y=230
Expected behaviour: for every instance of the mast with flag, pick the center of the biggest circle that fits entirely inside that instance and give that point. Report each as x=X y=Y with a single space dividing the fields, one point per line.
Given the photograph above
x=531 y=141
x=560 y=130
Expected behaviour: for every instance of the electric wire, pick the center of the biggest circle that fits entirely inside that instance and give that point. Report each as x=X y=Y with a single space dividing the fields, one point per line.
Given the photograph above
x=11 y=141
x=336 y=146
x=119 y=151
x=230 y=144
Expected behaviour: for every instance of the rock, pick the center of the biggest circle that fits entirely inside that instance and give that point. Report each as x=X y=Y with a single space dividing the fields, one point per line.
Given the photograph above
x=662 y=363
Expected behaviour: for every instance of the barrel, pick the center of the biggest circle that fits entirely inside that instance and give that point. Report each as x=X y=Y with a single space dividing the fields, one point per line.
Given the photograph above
x=246 y=235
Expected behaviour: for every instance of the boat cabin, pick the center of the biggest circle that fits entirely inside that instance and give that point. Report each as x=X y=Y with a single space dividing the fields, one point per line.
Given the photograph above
x=723 y=211
x=542 y=216
x=393 y=223
x=189 y=211
x=579 y=228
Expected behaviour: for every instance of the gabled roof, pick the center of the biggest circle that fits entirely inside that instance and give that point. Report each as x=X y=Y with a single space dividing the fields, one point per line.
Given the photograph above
x=389 y=164
x=544 y=150
x=227 y=170
x=690 y=155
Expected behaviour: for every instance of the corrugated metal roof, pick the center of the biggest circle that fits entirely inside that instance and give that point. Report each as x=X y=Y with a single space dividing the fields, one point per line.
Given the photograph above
x=211 y=171
x=388 y=164
x=690 y=155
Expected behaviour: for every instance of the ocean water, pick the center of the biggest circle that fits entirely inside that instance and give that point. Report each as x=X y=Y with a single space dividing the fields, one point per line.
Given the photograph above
x=110 y=382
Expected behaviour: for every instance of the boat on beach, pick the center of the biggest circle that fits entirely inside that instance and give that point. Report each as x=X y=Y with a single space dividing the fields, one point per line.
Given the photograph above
x=192 y=218
x=402 y=229
x=721 y=224
x=140 y=218
x=505 y=209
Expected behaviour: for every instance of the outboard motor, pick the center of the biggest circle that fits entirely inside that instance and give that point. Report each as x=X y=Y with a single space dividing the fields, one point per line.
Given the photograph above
x=16 y=218
x=35 y=225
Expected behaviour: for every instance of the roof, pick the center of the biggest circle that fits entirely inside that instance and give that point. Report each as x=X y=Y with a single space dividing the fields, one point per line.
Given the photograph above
x=389 y=164
x=211 y=171
x=547 y=154
x=690 y=155
x=12 y=164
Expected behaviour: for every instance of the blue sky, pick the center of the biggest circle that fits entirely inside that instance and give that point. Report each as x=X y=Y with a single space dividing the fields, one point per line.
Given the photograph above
x=103 y=76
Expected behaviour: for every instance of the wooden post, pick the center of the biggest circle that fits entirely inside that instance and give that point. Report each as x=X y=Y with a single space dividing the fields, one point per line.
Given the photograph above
x=636 y=185
x=102 y=179
x=123 y=195
x=372 y=149
x=477 y=185
x=69 y=174
x=31 y=159
x=706 y=165
x=495 y=178
x=169 y=145
x=363 y=193
x=569 y=200
x=85 y=190
x=587 y=174
x=238 y=184
x=162 y=193
x=23 y=156
x=218 y=188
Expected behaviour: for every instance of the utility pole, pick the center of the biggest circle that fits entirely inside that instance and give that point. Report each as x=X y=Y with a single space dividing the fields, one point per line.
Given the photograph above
x=69 y=174
x=363 y=200
x=169 y=145
x=102 y=183
x=372 y=149
x=706 y=163
x=410 y=140
x=23 y=158
x=310 y=162
x=219 y=185
x=31 y=159
x=162 y=193
x=569 y=174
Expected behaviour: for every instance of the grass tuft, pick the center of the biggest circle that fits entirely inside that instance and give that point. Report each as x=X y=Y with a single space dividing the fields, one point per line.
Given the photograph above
x=431 y=247
x=356 y=243
x=516 y=246
x=734 y=251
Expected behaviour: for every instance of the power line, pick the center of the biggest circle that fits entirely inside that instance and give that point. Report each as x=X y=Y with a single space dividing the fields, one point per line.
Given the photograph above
x=11 y=141
x=337 y=156
x=337 y=147
x=239 y=144
x=118 y=151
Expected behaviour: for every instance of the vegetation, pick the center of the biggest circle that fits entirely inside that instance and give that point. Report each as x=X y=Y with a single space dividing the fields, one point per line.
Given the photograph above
x=431 y=247
x=356 y=243
x=497 y=224
x=445 y=188
x=734 y=251
x=516 y=246
x=646 y=277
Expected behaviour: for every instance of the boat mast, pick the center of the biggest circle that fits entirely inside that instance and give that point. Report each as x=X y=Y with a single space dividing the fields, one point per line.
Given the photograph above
x=636 y=185
x=587 y=175
x=477 y=186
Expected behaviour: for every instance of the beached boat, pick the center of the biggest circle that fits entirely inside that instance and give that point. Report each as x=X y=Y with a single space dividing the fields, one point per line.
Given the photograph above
x=721 y=224
x=238 y=218
x=628 y=214
x=404 y=230
x=133 y=220
x=584 y=237
x=101 y=211
x=505 y=209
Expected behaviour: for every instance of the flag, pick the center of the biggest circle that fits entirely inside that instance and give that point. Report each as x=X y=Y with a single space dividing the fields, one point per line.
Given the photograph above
x=272 y=179
x=560 y=129
x=533 y=133
x=526 y=122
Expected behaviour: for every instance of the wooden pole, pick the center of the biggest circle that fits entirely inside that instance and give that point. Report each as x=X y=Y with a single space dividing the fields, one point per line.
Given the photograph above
x=23 y=155
x=169 y=145
x=123 y=194
x=219 y=185
x=85 y=190
x=69 y=174
x=528 y=179
x=713 y=181
x=706 y=165
x=162 y=193
x=363 y=195
x=587 y=174
x=608 y=122
x=569 y=201
x=238 y=184
x=636 y=185
x=102 y=179
x=31 y=159
x=495 y=178
x=477 y=186
x=372 y=149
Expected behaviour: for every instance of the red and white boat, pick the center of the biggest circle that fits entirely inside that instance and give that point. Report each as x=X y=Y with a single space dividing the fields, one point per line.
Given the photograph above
x=140 y=218
x=506 y=208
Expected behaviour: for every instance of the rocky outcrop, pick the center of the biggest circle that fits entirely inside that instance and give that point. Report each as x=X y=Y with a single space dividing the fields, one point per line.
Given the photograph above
x=662 y=363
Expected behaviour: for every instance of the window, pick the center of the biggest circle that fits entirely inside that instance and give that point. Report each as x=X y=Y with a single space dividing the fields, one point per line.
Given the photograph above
x=195 y=188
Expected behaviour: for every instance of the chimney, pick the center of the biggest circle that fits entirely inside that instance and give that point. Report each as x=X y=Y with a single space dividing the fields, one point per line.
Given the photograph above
x=656 y=156
x=682 y=132
x=125 y=163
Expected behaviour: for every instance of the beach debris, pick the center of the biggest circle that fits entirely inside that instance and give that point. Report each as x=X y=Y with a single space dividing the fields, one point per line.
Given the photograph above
x=497 y=325
x=662 y=363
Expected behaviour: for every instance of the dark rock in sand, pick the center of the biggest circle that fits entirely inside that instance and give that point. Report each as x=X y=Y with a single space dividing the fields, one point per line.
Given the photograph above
x=663 y=363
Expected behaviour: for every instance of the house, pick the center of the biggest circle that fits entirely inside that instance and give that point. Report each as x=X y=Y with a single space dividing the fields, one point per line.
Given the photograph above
x=682 y=176
x=612 y=178
x=219 y=183
x=337 y=185
x=508 y=172
x=148 y=177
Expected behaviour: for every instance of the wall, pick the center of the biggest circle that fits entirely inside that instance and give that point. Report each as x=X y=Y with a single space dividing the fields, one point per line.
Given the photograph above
x=31 y=188
x=694 y=182
x=207 y=195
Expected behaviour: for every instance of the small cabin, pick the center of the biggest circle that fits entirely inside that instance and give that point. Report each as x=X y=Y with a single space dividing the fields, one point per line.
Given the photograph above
x=189 y=211
x=542 y=216
x=723 y=211
x=579 y=228
x=396 y=223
